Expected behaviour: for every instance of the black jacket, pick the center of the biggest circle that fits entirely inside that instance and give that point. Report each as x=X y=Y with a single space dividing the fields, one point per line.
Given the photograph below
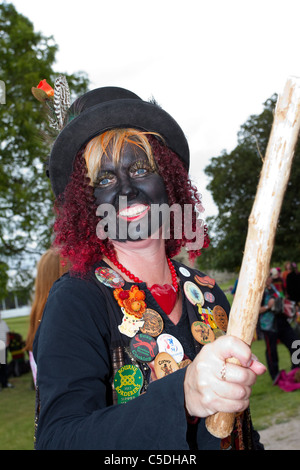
x=72 y=349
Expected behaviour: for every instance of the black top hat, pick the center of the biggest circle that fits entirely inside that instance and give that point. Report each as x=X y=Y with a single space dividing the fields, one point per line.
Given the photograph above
x=100 y=110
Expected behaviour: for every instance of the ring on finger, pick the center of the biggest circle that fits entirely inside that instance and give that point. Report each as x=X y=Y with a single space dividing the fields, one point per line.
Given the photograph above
x=223 y=372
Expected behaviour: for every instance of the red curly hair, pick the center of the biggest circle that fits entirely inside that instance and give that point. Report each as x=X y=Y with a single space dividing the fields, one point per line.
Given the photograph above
x=76 y=220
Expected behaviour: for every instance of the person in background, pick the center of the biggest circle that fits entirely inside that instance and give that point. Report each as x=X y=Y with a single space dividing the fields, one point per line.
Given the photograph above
x=49 y=269
x=277 y=280
x=287 y=270
x=275 y=327
x=4 y=337
x=233 y=290
x=293 y=284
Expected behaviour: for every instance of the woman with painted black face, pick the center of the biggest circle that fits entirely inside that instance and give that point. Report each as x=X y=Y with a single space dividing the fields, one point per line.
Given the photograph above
x=131 y=350
x=131 y=187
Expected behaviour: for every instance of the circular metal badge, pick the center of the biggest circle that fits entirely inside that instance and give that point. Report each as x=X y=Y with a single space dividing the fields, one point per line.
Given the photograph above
x=220 y=317
x=169 y=344
x=128 y=382
x=193 y=293
x=109 y=277
x=143 y=347
x=153 y=323
x=202 y=332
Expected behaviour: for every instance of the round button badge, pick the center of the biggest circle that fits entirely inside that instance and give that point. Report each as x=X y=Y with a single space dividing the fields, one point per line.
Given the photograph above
x=185 y=272
x=153 y=323
x=143 y=347
x=202 y=332
x=209 y=297
x=220 y=317
x=193 y=293
x=109 y=277
x=164 y=364
x=218 y=333
x=128 y=382
x=171 y=345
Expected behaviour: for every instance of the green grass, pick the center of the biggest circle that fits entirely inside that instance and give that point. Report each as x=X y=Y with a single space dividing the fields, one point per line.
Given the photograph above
x=269 y=404
x=17 y=404
x=17 y=414
x=19 y=325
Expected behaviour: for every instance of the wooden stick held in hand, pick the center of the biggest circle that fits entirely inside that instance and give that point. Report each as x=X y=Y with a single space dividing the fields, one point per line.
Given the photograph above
x=262 y=226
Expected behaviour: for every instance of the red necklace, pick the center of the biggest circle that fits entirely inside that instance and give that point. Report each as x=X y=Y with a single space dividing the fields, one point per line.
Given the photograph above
x=165 y=295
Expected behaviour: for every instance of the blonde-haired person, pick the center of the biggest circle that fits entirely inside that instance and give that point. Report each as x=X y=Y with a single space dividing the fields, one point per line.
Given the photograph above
x=49 y=268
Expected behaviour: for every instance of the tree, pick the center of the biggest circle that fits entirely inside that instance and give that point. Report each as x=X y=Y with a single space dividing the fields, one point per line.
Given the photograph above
x=234 y=178
x=25 y=195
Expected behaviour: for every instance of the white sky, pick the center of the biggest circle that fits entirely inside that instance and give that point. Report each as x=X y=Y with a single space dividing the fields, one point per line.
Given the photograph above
x=210 y=64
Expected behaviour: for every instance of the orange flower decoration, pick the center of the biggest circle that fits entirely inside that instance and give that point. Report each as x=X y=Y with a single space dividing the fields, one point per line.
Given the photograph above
x=131 y=300
x=43 y=92
x=43 y=85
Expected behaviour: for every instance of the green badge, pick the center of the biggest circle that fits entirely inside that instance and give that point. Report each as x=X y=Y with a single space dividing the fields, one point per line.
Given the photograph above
x=128 y=382
x=143 y=347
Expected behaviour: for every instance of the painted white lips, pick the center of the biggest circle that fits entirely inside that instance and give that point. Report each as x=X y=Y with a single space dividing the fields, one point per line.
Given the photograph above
x=132 y=212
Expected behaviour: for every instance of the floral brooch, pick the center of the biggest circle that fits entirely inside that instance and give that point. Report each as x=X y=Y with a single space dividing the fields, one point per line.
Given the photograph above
x=131 y=300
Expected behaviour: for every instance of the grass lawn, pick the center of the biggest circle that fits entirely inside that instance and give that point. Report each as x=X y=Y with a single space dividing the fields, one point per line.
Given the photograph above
x=17 y=404
x=17 y=414
x=269 y=404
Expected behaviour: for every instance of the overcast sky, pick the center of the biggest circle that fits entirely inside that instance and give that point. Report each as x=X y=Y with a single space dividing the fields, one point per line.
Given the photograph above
x=210 y=64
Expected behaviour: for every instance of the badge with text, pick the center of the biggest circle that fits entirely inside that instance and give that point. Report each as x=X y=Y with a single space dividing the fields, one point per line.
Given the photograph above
x=202 y=332
x=164 y=364
x=193 y=293
x=128 y=382
x=153 y=323
x=143 y=347
x=169 y=344
x=109 y=277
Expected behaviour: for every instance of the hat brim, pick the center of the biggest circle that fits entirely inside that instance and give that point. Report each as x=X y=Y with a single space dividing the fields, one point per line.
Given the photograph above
x=119 y=113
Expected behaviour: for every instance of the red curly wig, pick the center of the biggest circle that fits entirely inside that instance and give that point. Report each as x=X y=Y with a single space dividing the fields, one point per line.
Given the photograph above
x=76 y=220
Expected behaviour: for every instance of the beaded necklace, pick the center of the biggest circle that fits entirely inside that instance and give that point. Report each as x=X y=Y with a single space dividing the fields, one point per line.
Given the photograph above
x=165 y=295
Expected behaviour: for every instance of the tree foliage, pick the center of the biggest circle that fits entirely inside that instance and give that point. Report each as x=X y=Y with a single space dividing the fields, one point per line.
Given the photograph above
x=25 y=196
x=233 y=183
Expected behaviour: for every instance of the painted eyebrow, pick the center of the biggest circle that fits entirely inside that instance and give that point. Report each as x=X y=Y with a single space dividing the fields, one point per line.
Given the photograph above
x=140 y=164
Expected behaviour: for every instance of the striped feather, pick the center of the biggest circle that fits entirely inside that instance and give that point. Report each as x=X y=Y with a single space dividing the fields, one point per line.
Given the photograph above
x=61 y=100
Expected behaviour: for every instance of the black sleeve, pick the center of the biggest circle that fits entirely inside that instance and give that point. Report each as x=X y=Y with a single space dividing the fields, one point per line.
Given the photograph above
x=74 y=372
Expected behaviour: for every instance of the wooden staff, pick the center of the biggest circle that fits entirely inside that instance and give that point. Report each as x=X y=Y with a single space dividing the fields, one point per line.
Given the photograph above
x=262 y=226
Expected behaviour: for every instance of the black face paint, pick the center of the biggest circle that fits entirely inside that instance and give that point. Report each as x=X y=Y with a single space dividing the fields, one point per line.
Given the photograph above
x=133 y=190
